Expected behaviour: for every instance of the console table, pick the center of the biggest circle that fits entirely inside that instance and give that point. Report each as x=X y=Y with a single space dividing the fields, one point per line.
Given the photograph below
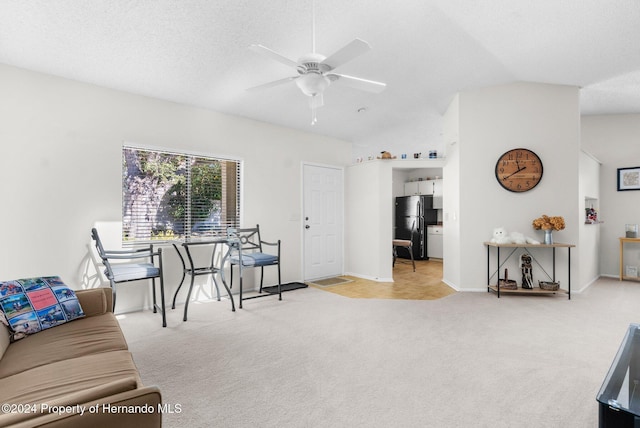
x=622 y=272
x=536 y=290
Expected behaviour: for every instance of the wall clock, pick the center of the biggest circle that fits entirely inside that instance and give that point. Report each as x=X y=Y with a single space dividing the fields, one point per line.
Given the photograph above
x=519 y=170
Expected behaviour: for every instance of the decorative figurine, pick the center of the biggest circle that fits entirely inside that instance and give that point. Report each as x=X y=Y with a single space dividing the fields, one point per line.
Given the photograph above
x=527 y=271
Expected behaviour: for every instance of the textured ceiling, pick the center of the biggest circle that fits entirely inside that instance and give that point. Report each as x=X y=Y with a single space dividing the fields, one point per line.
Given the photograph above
x=196 y=52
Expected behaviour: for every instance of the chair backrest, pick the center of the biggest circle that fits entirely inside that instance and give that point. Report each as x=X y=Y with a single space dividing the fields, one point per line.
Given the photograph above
x=101 y=252
x=248 y=238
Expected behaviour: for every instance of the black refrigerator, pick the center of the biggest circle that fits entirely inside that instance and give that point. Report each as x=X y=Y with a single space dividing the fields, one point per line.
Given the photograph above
x=413 y=214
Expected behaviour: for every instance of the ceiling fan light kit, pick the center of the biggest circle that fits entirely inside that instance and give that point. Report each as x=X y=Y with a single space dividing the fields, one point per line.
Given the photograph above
x=312 y=84
x=315 y=71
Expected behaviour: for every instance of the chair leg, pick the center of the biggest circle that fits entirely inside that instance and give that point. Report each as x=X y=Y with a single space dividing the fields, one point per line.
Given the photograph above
x=153 y=293
x=395 y=254
x=155 y=302
x=279 y=284
x=410 y=248
x=113 y=292
x=164 y=310
x=261 y=277
x=240 y=271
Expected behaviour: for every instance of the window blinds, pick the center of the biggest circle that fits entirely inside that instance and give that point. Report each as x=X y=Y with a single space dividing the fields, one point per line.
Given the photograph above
x=168 y=196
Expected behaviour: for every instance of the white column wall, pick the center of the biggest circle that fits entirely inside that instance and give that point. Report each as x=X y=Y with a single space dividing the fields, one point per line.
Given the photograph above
x=543 y=118
x=589 y=262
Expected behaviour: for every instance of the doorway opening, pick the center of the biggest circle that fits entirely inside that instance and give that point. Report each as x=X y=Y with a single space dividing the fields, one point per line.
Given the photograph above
x=418 y=216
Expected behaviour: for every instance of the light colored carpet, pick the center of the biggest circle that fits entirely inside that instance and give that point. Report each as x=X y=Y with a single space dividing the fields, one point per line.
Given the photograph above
x=318 y=359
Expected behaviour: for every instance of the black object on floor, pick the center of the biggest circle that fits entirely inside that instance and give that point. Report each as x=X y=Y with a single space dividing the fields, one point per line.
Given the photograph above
x=273 y=289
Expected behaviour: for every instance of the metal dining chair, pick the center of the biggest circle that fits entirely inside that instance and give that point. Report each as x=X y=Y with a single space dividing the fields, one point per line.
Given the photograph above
x=121 y=266
x=246 y=249
x=404 y=243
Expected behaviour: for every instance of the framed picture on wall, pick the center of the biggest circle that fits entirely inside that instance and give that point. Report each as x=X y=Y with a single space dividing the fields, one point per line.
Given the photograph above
x=629 y=178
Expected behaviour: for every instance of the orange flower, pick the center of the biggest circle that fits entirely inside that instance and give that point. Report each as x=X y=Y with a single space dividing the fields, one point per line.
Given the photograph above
x=549 y=223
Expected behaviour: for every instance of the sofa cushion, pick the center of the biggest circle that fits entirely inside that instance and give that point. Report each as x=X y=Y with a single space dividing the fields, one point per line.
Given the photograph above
x=31 y=305
x=5 y=334
x=95 y=301
x=90 y=335
x=74 y=375
x=69 y=403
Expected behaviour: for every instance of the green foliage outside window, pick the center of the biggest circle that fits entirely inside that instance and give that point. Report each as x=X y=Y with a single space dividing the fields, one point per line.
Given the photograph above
x=159 y=190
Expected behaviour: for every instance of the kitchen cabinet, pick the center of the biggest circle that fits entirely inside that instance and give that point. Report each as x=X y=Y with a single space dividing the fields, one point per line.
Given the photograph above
x=434 y=242
x=424 y=187
x=413 y=188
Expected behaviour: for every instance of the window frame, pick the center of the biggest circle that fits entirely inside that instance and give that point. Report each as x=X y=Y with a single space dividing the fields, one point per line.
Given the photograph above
x=188 y=235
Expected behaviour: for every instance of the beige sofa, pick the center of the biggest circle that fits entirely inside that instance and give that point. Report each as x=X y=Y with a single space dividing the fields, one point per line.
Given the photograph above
x=79 y=374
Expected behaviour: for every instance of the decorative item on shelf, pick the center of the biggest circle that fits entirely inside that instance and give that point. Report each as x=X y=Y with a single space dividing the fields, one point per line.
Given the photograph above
x=549 y=285
x=403 y=156
x=631 y=271
x=433 y=154
x=417 y=155
x=500 y=236
x=386 y=155
x=506 y=283
x=631 y=230
x=527 y=271
x=549 y=224
x=591 y=215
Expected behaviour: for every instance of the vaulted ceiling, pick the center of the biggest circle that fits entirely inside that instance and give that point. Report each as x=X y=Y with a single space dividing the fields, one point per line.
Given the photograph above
x=196 y=52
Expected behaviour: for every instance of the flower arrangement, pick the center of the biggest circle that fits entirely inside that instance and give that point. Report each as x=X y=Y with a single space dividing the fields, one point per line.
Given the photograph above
x=549 y=223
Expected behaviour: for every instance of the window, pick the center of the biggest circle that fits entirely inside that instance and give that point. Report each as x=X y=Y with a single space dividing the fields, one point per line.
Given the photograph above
x=168 y=196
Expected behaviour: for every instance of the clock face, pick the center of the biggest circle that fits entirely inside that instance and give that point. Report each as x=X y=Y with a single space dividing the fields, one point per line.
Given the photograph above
x=519 y=170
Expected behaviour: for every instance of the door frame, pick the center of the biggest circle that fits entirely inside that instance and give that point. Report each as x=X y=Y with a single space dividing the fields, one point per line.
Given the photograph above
x=304 y=164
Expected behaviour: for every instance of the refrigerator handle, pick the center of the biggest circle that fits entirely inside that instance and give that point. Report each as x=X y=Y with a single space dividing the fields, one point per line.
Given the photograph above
x=419 y=208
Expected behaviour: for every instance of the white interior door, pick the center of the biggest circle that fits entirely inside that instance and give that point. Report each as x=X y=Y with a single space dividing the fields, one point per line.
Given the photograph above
x=323 y=189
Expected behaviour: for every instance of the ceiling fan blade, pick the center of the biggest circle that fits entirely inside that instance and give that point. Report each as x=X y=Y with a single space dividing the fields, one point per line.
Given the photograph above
x=271 y=84
x=358 y=83
x=274 y=55
x=352 y=50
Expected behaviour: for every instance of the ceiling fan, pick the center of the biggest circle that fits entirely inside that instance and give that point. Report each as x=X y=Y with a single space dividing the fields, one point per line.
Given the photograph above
x=315 y=71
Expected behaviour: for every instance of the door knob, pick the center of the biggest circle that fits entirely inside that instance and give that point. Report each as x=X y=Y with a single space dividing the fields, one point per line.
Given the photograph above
x=307 y=227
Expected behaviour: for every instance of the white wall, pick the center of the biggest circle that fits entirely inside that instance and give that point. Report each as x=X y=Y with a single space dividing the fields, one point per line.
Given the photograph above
x=589 y=261
x=451 y=270
x=61 y=165
x=542 y=118
x=368 y=219
x=614 y=140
